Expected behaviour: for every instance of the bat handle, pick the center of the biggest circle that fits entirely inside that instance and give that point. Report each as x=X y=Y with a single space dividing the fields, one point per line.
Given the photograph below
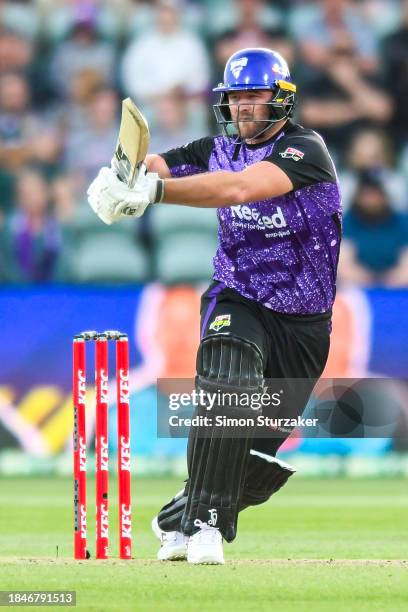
x=125 y=173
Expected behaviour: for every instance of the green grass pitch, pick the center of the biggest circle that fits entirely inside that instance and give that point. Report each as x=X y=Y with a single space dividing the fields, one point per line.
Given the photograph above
x=317 y=545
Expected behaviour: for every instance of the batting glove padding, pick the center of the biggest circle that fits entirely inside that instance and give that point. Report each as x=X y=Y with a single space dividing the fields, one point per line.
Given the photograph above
x=112 y=199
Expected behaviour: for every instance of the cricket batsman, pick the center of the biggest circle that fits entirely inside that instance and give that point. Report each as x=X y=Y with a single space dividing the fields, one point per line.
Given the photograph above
x=267 y=313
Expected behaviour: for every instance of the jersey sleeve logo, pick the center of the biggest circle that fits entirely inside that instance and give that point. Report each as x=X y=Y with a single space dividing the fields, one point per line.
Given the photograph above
x=292 y=153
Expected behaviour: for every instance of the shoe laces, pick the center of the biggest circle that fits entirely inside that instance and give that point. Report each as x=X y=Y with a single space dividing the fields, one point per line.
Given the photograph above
x=207 y=534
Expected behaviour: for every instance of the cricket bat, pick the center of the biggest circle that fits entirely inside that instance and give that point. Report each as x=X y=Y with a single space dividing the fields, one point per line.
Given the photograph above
x=133 y=143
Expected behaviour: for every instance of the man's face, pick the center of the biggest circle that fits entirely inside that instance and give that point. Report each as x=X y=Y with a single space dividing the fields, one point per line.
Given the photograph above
x=14 y=93
x=372 y=200
x=247 y=109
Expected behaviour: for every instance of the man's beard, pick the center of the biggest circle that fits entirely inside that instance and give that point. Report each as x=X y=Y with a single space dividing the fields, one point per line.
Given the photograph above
x=250 y=126
x=249 y=129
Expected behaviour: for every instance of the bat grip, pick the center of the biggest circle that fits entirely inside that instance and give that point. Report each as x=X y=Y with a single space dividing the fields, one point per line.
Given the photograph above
x=124 y=171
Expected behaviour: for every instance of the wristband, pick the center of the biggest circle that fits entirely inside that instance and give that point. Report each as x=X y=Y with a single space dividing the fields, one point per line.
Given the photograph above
x=159 y=192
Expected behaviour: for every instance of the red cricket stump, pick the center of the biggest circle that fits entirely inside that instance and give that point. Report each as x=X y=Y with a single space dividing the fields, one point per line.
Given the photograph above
x=124 y=474
x=79 y=391
x=101 y=443
x=101 y=446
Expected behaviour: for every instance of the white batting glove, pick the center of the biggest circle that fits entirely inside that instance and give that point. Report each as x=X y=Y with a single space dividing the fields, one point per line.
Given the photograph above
x=112 y=199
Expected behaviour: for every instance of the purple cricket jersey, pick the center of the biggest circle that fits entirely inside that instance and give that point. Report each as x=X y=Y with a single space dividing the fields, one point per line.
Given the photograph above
x=282 y=252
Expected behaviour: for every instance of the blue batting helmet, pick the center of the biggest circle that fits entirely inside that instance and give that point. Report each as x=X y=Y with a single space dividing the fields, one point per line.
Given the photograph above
x=257 y=68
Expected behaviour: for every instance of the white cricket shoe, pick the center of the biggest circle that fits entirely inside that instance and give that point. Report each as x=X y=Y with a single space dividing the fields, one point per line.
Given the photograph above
x=205 y=546
x=173 y=543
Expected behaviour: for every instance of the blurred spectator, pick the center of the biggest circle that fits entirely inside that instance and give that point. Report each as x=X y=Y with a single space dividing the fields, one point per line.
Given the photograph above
x=59 y=17
x=90 y=146
x=250 y=32
x=16 y=53
x=16 y=120
x=23 y=136
x=342 y=98
x=381 y=16
x=165 y=58
x=395 y=52
x=73 y=113
x=7 y=189
x=325 y=24
x=32 y=237
x=371 y=149
x=172 y=127
x=375 y=245
x=223 y=16
x=22 y=17
x=65 y=204
x=84 y=50
x=140 y=16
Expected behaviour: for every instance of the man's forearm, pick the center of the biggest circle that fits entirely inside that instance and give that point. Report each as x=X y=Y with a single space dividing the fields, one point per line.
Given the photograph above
x=213 y=190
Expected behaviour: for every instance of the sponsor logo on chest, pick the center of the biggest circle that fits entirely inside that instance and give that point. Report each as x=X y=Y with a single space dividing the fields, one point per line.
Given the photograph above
x=261 y=221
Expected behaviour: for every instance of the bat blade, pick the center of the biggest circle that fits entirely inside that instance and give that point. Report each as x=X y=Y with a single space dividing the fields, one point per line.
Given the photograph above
x=133 y=143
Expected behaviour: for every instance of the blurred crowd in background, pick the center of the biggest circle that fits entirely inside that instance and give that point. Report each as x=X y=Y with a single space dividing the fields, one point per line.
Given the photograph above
x=65 y=65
